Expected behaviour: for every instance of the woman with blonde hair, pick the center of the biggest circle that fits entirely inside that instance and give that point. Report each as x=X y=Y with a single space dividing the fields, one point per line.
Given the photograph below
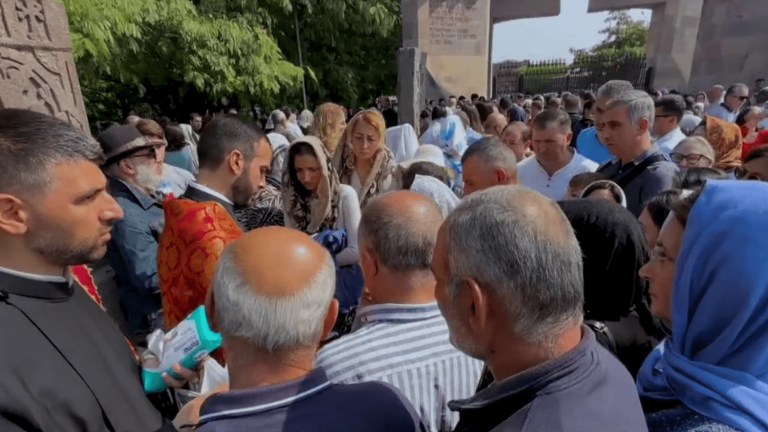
x=329 y=123
x=362 y=159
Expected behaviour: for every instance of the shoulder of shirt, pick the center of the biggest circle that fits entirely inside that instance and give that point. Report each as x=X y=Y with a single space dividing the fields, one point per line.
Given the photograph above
x=347 y=192
x=585 y=162
x=526 y=162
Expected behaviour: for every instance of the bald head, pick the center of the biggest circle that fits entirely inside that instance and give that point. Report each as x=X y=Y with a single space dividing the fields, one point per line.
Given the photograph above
x=495 y=124
x=518 y=244
x=400 y=228
x=273 y=288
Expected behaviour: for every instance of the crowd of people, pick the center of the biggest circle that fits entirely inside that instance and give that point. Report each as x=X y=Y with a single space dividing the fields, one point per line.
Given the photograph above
x=560 y=262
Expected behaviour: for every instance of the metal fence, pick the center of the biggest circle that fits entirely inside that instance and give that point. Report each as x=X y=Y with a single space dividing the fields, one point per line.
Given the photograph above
x=586 y=73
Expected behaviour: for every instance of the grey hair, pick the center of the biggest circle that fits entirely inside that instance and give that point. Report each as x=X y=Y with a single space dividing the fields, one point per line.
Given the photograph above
x=271 y=323
x=700 y=141
x=613 y=88
x=278 y=117
x=31 y=144
x=534 y=265
x=493 y=153
x=732 y=89
x=639 y=105
x=400 y=242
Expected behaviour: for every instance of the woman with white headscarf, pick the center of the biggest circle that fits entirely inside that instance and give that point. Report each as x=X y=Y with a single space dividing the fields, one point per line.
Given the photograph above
x=403 y=142
x=606 y=190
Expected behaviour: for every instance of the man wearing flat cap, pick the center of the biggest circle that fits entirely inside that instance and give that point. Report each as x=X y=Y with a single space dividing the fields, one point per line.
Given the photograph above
x=134 y=167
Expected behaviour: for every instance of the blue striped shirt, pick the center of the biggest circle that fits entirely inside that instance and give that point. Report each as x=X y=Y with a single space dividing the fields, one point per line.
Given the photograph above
x=408 y=347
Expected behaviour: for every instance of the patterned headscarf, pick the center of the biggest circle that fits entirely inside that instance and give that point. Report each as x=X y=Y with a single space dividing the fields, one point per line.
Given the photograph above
x=319 y=211
x=726 y=139
x=380 y=178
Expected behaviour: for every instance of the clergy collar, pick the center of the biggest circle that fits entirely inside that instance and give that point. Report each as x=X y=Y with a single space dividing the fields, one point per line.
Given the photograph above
x=34 y=285
x=210 y=191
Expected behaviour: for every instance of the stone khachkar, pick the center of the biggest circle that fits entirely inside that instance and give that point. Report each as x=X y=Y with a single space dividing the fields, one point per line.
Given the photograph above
x=37 y=71
x=456 y=35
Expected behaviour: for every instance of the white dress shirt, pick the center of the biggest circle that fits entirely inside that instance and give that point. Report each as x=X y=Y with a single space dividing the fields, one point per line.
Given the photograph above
x=533 y=176
x=668 y=142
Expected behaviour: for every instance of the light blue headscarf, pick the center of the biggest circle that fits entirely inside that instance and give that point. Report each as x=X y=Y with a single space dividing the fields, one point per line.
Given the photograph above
x=716 y=361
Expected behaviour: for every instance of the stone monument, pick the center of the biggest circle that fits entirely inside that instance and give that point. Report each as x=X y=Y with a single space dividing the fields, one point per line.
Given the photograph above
x=694 y=44
x=37 y=71
x=456 y=35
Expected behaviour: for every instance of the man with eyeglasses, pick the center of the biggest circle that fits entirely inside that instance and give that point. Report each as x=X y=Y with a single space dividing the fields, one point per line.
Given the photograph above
x=666 y=124
x=134 y=167
x=735 y=97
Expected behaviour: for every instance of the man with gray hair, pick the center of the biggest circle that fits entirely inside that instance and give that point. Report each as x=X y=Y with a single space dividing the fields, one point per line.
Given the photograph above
x=510 y=285
x=278 y=124
x=729 y=108
x=487 y=163
x=639 y=166
x=403 y=340
x=590 y=143
x=272 y=301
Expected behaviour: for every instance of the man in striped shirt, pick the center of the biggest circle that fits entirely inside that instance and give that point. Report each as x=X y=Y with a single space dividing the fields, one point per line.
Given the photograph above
x=403 y=340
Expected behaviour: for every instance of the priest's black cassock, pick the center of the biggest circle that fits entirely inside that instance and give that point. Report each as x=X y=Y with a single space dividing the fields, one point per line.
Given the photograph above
x=64 y=365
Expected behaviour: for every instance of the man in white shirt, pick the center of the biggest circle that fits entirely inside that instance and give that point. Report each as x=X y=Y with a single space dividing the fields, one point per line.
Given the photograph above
x=729 y=109
x=555 y=162
x=666 y=124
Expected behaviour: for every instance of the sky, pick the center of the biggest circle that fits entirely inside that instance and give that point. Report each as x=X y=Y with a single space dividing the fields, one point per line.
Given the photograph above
x=554 y=36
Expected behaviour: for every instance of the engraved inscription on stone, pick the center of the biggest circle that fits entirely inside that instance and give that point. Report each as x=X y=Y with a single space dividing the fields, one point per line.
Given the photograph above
x=32 y=15
x=457 y=27
x=37 y=71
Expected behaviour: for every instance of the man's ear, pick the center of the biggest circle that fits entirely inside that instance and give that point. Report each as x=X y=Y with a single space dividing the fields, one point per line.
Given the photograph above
x=14 y=215
x=236 y=163
x=478 y=305
x=210 y=310
x=501 y=176
x=644 y=125
x=330 y=319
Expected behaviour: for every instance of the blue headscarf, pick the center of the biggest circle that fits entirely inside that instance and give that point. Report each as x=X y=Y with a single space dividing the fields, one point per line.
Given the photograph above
x=716 y=361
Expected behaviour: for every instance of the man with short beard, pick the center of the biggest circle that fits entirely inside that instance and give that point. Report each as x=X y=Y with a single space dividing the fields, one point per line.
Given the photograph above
x=134 y=167
x=234 y=161
x=65 y=365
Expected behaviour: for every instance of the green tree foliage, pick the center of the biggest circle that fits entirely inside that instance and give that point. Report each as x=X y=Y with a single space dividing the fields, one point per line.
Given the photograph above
x=170 y=57
x=623 y=36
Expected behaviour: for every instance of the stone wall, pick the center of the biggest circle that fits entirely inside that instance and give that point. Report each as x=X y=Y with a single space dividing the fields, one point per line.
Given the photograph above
x=37 y=71
x=732 y=44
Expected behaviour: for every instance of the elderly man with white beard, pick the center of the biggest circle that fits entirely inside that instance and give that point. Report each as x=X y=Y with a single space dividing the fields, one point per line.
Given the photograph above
x=134 y=167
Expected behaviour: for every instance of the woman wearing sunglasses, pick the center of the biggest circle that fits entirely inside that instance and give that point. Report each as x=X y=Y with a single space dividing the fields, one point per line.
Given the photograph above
x=693 y=152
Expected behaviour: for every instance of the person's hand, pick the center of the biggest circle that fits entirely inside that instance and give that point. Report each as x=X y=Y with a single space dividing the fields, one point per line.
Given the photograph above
x=185 y=374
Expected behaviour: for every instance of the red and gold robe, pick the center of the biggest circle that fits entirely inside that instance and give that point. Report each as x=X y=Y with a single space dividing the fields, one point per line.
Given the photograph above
x=195 y=234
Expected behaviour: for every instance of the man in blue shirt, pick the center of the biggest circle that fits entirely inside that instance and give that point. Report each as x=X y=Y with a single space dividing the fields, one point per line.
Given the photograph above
x=134 y=167
x=588 y=143
x=728 y=110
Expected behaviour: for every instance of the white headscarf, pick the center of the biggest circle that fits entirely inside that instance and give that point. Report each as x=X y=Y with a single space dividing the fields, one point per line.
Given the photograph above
x=614 y=187
x=453 y=136
x=432 y=134
x=403 y=142
x=438 y=191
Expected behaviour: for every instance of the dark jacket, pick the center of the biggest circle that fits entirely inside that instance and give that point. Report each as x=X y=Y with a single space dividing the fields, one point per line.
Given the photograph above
x=587 y=389
x=132 y=253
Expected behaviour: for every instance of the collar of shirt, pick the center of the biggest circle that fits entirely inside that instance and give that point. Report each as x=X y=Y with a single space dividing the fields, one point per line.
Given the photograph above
x=57 y=288
x=252 y=401
x=574 y=161
x=119 y=187
x=398 y=313
x=727 y=108
x=528 y=383
x=652 y=150
x=674 y=133
x=210 y=191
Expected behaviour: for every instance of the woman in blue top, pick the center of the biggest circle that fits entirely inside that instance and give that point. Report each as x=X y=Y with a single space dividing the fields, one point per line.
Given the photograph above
x=712 y=373
x=178 y=153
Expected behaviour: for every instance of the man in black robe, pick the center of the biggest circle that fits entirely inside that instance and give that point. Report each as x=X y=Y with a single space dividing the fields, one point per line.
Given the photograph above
x=64 y=365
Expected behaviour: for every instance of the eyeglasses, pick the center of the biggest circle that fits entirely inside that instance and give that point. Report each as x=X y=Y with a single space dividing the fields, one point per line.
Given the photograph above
x=741 y=98
x=153 y=153
x=744 y=174
x=691 y=158
x=664 y=115
x=658 y=254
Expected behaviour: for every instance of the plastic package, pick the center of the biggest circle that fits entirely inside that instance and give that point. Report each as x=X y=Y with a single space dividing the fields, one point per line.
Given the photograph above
x=187 y=344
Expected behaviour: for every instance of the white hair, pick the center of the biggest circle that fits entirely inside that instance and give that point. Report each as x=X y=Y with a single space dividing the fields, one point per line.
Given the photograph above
x=639 y=106
x=533 y=265
x=271 y=323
